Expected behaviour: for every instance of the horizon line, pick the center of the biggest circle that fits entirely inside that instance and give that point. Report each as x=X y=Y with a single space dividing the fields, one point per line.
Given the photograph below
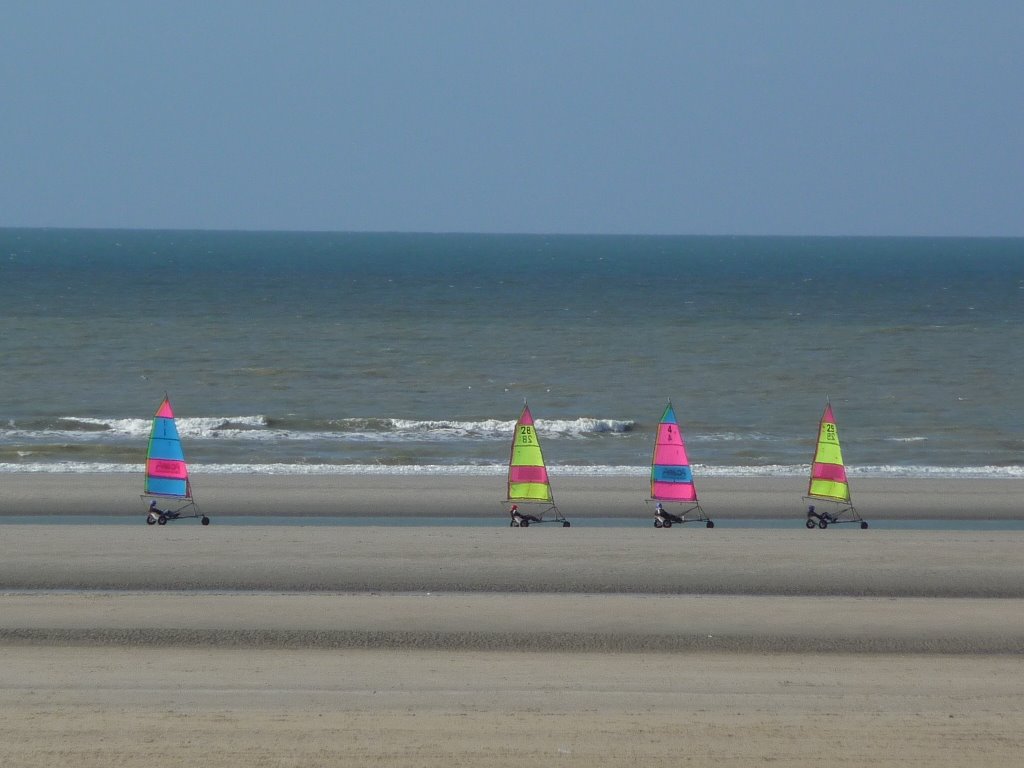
x=472 y=233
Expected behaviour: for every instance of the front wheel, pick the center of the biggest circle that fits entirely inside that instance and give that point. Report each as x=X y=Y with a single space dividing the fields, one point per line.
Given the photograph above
x=565 y=523
x=205 y=520
x=150 y=520
x=710 y=524
x=863 y=525
x=657 y=523
x=162 y=520
x=810 y=524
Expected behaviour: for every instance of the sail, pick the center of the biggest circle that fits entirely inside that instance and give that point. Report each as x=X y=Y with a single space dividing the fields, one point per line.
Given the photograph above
x=828 y=474
x=527 y=475
x=671 y=478
x=166 y=470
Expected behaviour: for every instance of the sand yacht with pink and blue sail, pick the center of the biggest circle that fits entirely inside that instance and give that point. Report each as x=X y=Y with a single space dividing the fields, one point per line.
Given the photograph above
x=672 y=478
x=167 y=479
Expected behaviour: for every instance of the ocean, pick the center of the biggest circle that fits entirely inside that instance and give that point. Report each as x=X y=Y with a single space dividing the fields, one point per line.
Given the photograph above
x=288 y=352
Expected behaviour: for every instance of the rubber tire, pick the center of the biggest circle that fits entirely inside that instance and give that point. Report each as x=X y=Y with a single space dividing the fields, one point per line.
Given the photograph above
x=524 y=524
x=150 y=520
x=863 y=525
x=667 y=524
x=711 y=524
x=810 y=524
x=566 y=524
x=162 y=520
x=823 y=524
x=657 y=523
x=205 y=520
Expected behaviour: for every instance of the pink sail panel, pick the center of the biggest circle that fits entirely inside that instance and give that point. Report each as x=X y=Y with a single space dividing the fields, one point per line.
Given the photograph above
x=834 y=472
x=525 y=474
x=167 y=468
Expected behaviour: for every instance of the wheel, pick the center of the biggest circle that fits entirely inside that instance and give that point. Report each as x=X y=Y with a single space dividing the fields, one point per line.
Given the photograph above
x=810 y=524
x=162 y=520
x=823 y=523
x=711 y=524
x=524 y=524
x=205 y=520
x=667 y=524
x=657 y=523
x=863 y=525
x=565 y=523
x=150 y=520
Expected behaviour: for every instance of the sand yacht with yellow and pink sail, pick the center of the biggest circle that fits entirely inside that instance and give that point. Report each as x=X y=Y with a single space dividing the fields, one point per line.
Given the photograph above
x=528 y=482
x=829 y=482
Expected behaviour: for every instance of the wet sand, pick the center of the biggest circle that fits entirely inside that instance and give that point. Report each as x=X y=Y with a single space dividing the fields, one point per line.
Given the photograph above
x=480 y=496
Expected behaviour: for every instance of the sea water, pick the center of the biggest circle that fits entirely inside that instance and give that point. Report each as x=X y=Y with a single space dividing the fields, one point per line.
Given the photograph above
x=413 y=353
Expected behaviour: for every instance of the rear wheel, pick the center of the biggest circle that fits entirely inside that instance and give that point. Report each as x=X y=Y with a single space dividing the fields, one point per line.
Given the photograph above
x=710 y=524
x=863 y=525
x=205 y=520
x=162 y=520
x=667 y=524
x=565 y=524
x=823 y=524
x=524 y=524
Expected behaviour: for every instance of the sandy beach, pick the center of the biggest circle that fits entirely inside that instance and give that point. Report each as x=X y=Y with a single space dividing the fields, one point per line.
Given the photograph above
x=290 y=645
x=410 y=495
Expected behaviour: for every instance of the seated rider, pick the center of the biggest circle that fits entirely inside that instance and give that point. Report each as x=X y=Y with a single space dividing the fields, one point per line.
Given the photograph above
x=664 y=515
x=520 y=517
x=828 y=517
x=153 y=509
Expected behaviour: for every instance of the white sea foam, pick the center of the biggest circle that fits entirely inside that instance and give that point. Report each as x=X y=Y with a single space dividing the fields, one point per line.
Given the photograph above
x=193 y=427
x=495 y=428
x=355 y=430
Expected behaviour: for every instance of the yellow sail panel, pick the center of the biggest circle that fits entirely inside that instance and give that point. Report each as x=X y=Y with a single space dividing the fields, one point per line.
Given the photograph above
x=829 y=489
x=529 y=492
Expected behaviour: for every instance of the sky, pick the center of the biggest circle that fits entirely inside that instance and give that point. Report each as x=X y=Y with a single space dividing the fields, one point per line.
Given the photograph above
x=771 y=117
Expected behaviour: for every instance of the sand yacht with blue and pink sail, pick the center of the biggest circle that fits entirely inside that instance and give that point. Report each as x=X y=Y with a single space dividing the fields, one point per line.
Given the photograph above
x=672 y=478
x=167 y=480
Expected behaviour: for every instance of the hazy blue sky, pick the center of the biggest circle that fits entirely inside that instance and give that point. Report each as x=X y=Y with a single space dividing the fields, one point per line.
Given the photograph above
x=770 y=117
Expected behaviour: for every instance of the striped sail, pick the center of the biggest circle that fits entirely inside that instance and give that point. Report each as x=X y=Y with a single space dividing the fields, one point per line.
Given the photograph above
x=671 y=478
x=527 y=475
x=828 y=474
x=166 y=471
